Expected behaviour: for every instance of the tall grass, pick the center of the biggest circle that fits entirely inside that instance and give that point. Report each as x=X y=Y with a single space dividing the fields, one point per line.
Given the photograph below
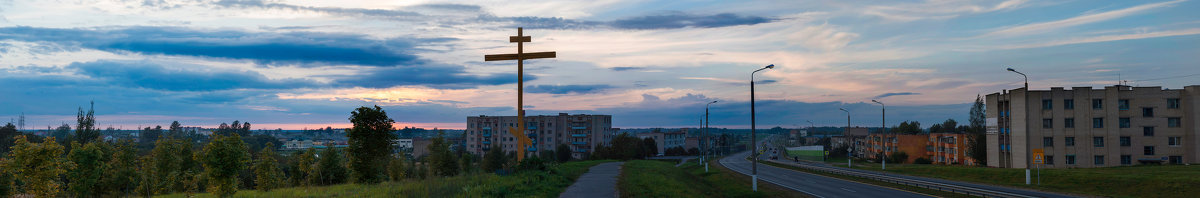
x=649 y=178
x=549 y=183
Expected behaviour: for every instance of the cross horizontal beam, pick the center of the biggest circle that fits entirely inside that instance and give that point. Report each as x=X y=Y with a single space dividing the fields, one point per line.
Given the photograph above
x=517 y=39
x=521 y=56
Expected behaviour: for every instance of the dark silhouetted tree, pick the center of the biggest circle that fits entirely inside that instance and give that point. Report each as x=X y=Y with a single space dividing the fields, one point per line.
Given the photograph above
x=442 y=161
x=564 y=153
x=86 y=130
x=267 y=175
x=223 y=158
x=89 y=166
x=331 y=168
x=370 y=143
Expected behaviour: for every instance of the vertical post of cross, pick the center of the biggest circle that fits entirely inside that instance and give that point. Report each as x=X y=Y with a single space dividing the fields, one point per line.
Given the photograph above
x=522 y=139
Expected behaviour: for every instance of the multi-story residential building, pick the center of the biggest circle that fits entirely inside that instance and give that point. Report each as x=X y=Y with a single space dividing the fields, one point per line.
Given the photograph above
x=948 y=148
x=666 y=140
x=580 y=132
x=1084 y=127
x=911 y=145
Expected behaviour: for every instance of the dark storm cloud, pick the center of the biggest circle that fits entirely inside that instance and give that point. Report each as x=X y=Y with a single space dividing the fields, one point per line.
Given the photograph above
x=567 y=89
x=300 y=48
x=144 y=74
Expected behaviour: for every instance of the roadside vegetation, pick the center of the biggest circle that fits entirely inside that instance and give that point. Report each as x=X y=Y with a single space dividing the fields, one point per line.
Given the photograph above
x=651 y=178
x=1125 y=181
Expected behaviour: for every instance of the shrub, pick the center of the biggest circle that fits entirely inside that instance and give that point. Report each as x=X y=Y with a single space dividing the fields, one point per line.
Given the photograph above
x=922 y=161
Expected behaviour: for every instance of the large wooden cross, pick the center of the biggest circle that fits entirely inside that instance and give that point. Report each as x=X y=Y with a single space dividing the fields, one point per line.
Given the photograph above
x=522 y=140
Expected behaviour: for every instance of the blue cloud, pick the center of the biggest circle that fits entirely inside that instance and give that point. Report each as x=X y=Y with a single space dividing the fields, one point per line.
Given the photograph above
x=895 y=94
x=567 y=89
x=436 y=76
x=300 y=48
x=627 y=68
x=681 y=20
x=145 y=74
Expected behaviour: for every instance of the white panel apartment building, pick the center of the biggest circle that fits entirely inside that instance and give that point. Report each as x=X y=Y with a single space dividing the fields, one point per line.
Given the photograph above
x=580 y=132
x=1084 y=127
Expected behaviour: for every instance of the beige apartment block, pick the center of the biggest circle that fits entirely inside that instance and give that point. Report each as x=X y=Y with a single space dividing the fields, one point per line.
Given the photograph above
x=580 y=132
x=1083 y=127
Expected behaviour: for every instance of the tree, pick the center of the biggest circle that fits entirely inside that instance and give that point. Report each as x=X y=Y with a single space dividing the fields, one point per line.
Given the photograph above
x=6 y=137
x=395 y=169
x=223 y=158
x=370 y=143
x=86 y=130
x=62 y=133
x=38 y=165
x=906 y=127
x=331 y=169
x=442 y=161
x=266 y=170
x=121 y=176
x=493 y=160
x=898 y=157
x=978 y=115
x=651 y=147
x=175 y=130
x=88 y=168
x=306 y=167
x=564 y=153
x=6 y=180
x=978 y=148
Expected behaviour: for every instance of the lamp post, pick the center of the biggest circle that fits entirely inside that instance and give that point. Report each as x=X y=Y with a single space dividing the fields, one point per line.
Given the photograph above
x=847 y=135
x=813 y=128
x=883 y=129
x=1028 y=162
x=753 y=139
x=704 y=136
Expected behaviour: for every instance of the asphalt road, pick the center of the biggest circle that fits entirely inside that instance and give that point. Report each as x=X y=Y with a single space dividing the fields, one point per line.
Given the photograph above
x=815 y=185
x=599 y=181
x=942 y=181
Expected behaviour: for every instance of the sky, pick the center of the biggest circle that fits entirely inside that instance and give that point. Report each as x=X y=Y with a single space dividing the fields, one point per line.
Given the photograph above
x=649 y=63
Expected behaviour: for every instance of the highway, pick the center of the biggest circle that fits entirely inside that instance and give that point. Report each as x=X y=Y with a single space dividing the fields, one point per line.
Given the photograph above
x=815 y=185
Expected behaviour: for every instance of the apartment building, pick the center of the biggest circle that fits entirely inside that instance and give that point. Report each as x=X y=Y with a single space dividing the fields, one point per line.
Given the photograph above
x=911 y=145
x=1085 y=127
x=580 y=132
x=948 y=148
x=666 y=140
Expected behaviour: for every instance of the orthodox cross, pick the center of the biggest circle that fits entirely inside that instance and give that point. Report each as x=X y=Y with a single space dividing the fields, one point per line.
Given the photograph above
x=522 y=140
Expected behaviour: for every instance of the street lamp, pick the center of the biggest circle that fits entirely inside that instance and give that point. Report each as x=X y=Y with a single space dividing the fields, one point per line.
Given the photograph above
x=883 y=129
x=1028 y=162
x=813 y=129
x=704 y=136
x=847 y=135
x=753 y=139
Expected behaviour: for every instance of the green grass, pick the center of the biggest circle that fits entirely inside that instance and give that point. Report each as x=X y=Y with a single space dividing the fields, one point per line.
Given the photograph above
x=806 y=154
x=1126 y=181
x=548 y=183
x=648 y=178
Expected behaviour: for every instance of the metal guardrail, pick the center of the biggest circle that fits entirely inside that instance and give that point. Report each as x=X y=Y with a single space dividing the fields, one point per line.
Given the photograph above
x=970 y=191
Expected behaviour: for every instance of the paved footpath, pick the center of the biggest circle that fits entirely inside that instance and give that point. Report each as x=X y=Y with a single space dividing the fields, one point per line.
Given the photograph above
x=599 y=181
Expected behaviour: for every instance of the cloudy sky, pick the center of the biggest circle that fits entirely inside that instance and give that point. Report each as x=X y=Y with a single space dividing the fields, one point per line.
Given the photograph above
x=295 y=64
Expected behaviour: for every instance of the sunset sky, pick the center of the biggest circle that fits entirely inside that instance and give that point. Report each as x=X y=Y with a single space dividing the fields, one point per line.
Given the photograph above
x=294 y=64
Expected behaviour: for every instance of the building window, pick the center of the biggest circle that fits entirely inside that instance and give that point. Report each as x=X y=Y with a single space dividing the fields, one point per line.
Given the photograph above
x=1147 y=112
x=1097 y=123
x=1125 y=141
x=1123 y=104
x=1069 y=123
x=1048 y=141
x=1047 y=123
x=1147 y=131
x=1099 y=160
x=1047 y=104
x=1049 y=160
x=1123 y=122
x=1175 y=159
x=1098 y=141
x=1149 y=150
x=1069 y=141
x=1097 y=104
x=1174 y=141
x=1173 y=122
x=1071 y=159
x=1172 y=103
x=1126 y=160
x=1068 y=104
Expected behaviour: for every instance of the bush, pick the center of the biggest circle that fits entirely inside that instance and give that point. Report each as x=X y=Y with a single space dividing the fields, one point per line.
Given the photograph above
x=922 y=161
x=533 y=163
x=898 y=157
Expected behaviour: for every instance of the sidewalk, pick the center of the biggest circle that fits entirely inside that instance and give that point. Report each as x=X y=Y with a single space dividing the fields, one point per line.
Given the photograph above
x=599 y=181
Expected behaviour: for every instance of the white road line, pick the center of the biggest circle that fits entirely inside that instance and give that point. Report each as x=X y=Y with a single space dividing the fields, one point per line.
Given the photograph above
x=848 y=190
x=774 y=182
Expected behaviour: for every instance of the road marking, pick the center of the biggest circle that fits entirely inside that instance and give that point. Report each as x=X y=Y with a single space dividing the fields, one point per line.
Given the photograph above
x=848 y=190
x=767 y=180
x=853 y=181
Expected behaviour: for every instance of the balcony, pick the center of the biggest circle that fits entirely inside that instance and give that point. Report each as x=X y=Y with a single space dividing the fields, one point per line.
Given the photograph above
x=579 y=135
x=531 y=149
x=581 y=150
x=487 y=135
x=531 y=128
x=579 y=127
x=531 y=135
x=487 y=142
x=579 y=143
x=487 y=128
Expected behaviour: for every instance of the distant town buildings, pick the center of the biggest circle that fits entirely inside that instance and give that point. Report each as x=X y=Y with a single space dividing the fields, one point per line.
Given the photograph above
x=1084 y=127
x=666 y=140
x=581 y=132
